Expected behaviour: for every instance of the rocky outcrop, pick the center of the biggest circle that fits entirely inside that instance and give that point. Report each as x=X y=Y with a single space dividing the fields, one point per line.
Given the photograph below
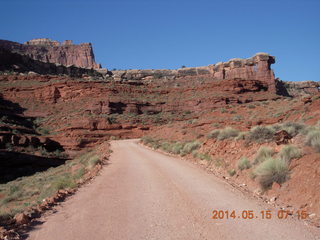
x=14 y=62
x=254 y=68
x=297 y=89
x=49 y=51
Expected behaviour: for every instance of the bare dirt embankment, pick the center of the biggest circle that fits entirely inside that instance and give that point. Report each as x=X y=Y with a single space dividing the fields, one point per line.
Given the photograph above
x=143 y=194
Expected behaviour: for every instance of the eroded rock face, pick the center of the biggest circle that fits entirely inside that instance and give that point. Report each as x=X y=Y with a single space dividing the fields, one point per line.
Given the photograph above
x=46 y=50
x=10 y=61
x=298 y=89
x=254 y=68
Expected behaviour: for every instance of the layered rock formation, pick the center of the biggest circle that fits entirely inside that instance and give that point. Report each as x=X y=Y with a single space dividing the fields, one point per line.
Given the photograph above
x=254 y=68
x=14 y=62
x=46 y=50
x=298 y=89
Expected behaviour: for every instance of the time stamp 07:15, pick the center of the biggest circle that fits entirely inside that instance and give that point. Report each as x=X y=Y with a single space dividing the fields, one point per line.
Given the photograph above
x=265 y=214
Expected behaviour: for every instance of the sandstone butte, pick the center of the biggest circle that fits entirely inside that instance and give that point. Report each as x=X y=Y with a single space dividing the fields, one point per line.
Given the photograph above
x=46 y=50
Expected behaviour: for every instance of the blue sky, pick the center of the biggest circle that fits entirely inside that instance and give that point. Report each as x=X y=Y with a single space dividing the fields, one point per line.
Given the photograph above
x=145 y=34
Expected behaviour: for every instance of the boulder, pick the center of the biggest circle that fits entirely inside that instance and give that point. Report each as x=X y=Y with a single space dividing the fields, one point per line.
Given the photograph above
x=21 y=219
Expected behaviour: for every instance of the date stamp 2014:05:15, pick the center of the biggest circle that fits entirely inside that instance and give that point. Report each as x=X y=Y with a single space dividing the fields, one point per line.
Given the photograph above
x=265 y=214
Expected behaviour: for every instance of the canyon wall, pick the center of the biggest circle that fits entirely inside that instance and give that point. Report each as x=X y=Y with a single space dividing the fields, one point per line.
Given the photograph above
x=14 y=62
x=254 y=68
x=46 y=50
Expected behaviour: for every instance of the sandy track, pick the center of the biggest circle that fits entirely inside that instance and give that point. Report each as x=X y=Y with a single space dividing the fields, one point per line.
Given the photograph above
x=143 y=194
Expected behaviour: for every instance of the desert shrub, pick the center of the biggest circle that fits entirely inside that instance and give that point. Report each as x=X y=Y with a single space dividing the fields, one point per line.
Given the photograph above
x=289 y=152
x=290 y=127
x=262 y=154
x=202 y=156
x=165 y=146
x=153 y=143
x=146 y=140
x=177 y=148
x=228 y=132
x=270 y=171
x=243 y=163
x=225 y=133
x=251 y=106
x=214 y=133
x=260 y=134
x=190 y=146
x=231 y=172
x=241 y=136
x=313 y=139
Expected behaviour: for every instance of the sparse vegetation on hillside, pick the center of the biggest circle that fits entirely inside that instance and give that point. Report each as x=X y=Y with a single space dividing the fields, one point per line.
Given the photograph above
x=31 y=190
x=172 y=147
x=225 y=133
x=260 y=134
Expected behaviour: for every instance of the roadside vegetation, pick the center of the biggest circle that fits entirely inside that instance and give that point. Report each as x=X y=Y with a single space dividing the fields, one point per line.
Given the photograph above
x=267 y=166
x=265 y=134
x=29 y=191
x=180 y=148
x=271 y=170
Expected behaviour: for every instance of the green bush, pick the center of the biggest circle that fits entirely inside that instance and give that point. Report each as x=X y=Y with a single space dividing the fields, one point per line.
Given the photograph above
x=260 y=134
x=225 y=133
x=289 y=152
x=313 y=139
x=270 y=171
x=202 y=156
x=165 y=146
x=190 y=146
x=232 y=172
x=262 y=154
x=146 y=140
x=243 y=163
x=177 y=148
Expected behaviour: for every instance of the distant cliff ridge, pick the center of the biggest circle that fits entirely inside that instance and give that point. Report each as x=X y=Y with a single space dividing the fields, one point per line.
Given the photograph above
x=257 y=67
x=50 y=51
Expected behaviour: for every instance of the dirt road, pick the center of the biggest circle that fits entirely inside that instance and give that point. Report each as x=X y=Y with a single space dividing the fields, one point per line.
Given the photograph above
x=143 y=194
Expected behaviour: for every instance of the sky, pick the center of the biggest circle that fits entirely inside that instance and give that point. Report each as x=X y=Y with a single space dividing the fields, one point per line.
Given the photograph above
x=167 y=34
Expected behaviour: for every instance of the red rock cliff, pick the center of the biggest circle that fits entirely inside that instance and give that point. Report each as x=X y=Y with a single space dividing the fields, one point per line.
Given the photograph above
x=256 y=68
x=46 y=50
